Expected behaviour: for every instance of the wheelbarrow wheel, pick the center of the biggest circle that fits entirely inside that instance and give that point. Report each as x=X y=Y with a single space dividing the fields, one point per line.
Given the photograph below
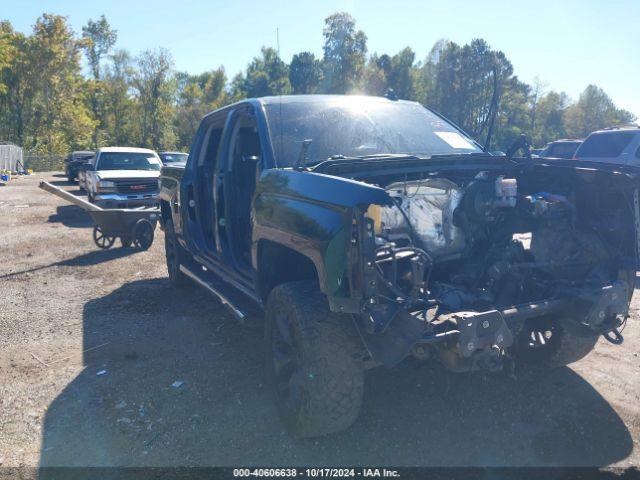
x=143 y=234
x=101 y=239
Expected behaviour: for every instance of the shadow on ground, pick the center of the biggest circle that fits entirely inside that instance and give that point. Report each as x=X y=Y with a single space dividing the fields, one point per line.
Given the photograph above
x=84 y=260
x=71 y=216
x=146 y=336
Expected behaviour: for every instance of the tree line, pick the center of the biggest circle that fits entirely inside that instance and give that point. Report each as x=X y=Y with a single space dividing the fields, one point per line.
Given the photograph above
x=49 y=105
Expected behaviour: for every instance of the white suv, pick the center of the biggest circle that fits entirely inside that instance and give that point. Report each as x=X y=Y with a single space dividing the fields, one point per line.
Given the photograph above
x=619 y=145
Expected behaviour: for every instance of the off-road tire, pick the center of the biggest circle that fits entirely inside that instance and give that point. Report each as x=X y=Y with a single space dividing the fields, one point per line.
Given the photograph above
x=563 y=348
x=330 y=381
x=174 y=255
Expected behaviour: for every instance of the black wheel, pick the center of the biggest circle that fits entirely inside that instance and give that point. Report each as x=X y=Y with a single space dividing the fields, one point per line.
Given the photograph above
x=312 y=361
x=102 y=240
x=174 y=255
x=143 y=234
x=126 y=242
x=545 y=342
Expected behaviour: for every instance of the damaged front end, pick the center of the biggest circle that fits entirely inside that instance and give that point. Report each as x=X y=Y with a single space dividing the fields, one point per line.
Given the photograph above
x=469 y=267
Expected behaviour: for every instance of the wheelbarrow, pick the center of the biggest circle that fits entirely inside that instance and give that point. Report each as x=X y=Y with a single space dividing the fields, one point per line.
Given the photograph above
x=134 y=226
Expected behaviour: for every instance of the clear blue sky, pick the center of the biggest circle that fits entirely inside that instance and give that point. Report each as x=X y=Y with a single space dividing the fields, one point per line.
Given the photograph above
x=567 y=43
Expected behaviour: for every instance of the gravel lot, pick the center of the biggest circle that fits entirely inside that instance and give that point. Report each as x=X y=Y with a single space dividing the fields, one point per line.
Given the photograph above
x=69 y=311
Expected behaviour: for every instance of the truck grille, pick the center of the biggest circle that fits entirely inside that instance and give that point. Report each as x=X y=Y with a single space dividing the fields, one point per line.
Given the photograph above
x=136 y=187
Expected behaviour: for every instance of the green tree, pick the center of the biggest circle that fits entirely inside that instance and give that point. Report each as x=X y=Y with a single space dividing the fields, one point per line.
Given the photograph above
x=400 y=73
x=155 y=87
x=345 y=50
x=549 y=113
x=7 y=52
x=119 y=121
x=62 y=120
x=99 y=38
x=375 y=75
x=512 y=116
x=424 y=75
x=16 y=90
x=305 y=73
x=267 y=74
x=44 y=103
x=467 y=84
x=594 y=110
x=197 y=95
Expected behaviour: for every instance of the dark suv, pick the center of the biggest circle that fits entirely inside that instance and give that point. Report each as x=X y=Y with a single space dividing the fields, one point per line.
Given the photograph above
x=371 y=230
x=73 y=162
x=560 y=149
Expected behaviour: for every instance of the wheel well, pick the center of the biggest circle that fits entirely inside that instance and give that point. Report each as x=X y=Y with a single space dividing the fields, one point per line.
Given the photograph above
x=278 y=264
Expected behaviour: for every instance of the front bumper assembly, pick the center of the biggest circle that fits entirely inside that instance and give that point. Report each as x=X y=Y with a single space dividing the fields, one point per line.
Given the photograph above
x=472 y=338
x=117 y=200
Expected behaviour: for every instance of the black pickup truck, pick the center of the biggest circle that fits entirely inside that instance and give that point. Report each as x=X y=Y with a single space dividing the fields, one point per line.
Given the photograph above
x=370 y=230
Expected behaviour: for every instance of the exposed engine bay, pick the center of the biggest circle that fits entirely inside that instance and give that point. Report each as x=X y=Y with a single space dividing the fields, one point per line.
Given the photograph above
x=464 y=267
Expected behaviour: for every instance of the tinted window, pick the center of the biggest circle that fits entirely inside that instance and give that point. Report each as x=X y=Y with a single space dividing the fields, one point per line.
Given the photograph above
x=173 y=157
x=356 y=126
x=605 y=144
x=562 y=149
x=128 y=161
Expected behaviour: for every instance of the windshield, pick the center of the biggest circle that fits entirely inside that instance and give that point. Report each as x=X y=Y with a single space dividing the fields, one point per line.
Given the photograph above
x=128 y=161
x=605 y=144
x=357 y=126
x=173 y=157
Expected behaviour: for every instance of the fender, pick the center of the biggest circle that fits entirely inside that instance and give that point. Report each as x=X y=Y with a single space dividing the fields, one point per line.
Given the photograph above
x=311 y=214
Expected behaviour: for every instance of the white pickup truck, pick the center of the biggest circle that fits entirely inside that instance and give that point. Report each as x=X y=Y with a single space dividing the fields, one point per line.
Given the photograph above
x=123 y=177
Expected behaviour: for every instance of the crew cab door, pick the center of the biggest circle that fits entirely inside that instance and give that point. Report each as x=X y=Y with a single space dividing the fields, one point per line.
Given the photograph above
x=241 y=160
x=197 y=201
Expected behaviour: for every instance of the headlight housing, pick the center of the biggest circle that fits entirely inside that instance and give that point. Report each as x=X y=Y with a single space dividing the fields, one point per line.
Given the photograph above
x=106 y=186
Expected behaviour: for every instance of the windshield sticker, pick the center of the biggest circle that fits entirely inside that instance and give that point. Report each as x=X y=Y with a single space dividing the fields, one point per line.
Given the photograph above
x=153 y=161
x=455 y=140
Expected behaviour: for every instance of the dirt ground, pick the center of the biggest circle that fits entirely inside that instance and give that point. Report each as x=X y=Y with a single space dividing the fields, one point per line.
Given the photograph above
x=91 y=342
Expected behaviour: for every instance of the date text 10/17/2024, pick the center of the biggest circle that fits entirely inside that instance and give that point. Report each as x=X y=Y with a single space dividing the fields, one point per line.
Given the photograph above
x=316 y=472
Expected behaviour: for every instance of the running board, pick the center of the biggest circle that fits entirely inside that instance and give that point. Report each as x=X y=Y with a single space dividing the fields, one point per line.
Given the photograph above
x=237 y=312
